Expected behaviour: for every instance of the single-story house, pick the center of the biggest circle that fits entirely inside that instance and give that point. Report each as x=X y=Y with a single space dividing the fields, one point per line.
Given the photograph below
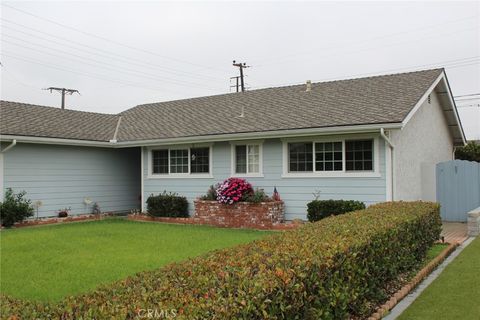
x=370 y=139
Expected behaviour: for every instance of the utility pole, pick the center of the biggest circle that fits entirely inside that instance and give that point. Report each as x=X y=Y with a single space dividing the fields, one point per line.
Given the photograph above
x=236 y=82
x=241 y=66
x=64 y=91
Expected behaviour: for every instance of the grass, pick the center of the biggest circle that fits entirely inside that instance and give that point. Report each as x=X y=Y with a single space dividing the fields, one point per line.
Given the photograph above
x=434 y=251
x=50 y=262
x=455 y=293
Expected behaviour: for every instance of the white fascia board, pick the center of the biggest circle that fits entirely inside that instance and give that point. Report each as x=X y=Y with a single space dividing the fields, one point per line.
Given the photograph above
x=454 y=107
x=422 y=100
x=263 y=135
x=57 y=141
x=441 y=78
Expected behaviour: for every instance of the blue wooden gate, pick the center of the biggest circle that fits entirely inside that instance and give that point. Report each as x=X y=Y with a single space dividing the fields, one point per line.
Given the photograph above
x=458 y=188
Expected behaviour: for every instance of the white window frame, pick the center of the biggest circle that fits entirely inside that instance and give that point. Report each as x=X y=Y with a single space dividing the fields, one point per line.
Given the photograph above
x=187 y=175
x=233 y=145
x=375 y=173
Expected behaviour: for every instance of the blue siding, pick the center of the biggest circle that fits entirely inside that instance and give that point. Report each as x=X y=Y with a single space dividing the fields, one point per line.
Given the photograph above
x=296 y=192
x=62 y=176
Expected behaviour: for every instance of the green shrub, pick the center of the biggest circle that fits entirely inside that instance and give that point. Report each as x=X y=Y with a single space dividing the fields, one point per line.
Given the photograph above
x=257 y=196
x=167 y=205
x=319 y=209
x=211 y=194
x=338 y=268
x=15 y=208
x=470 y=152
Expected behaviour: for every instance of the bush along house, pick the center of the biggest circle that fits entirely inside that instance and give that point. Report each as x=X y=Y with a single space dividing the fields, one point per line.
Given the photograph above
x=369 y=139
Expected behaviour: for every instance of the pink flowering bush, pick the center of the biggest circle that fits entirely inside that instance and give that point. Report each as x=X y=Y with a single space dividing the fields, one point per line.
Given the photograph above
x=233 y=190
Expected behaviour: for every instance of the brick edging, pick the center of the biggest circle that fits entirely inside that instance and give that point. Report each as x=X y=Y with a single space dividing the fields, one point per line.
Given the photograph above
x=47 y=221
x=410 y=286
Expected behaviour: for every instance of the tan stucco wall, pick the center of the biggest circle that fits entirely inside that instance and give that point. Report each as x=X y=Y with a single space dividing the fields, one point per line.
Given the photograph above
x=419 y=146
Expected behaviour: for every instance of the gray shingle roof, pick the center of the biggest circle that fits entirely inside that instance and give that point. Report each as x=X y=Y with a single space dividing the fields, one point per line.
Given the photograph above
x=380 y=99
x=40 y=121
x=372 y=100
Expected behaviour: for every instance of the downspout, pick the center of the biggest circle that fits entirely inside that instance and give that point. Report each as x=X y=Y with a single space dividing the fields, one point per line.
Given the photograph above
x=391 y=146
x=10 y=146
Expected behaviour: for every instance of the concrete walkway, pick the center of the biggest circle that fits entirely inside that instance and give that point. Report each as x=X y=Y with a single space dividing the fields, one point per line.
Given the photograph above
x=454 y=232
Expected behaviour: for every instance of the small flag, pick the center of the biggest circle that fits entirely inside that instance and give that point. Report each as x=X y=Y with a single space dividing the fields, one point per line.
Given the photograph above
x=276 y=195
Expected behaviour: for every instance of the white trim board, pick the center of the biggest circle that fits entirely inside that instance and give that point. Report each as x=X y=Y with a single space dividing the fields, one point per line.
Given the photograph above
x=142 y=179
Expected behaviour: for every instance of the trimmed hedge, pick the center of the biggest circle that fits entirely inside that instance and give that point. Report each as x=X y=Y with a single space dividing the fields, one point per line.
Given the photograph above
x=338 y=268
x=167 y=205
x=319 y=209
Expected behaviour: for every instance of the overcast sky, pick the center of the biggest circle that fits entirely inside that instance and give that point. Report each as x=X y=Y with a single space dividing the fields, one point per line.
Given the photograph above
x=121 y=54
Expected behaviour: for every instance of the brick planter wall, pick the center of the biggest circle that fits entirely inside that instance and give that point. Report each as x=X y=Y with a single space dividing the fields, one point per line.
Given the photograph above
x=264 y=215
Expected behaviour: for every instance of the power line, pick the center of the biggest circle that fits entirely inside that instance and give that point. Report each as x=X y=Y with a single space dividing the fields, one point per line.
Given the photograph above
x=5 y=70
x=467 y=95
x=90 y=75
x=105 y=65
x=108 y=54
x=317 y=57
x=390 y=35
x=109 y=40
x=470 y=106
x=451 y=64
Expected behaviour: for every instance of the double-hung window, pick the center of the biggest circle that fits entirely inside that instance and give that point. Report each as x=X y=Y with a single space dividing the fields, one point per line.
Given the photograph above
x=322 y=157
x=246 y=159
x=180 y=161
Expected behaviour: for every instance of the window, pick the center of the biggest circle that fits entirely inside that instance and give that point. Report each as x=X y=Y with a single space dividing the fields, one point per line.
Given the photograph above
x=240 y=159
x=359 y=155
x=199 y=160
x=247 y=159
x=180 y=161
x=300 y=157
x=160 y=161
x=328 y=156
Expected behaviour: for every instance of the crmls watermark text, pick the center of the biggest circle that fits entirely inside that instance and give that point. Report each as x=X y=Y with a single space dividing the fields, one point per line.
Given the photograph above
x=157 y=313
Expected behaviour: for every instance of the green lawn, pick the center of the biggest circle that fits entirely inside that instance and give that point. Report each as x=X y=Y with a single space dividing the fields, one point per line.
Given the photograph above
x=50 y=262
x=455 y=294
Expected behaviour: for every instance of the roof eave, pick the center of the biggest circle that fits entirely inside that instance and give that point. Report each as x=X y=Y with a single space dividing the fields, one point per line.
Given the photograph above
x=56 y=141
x=263 y=134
